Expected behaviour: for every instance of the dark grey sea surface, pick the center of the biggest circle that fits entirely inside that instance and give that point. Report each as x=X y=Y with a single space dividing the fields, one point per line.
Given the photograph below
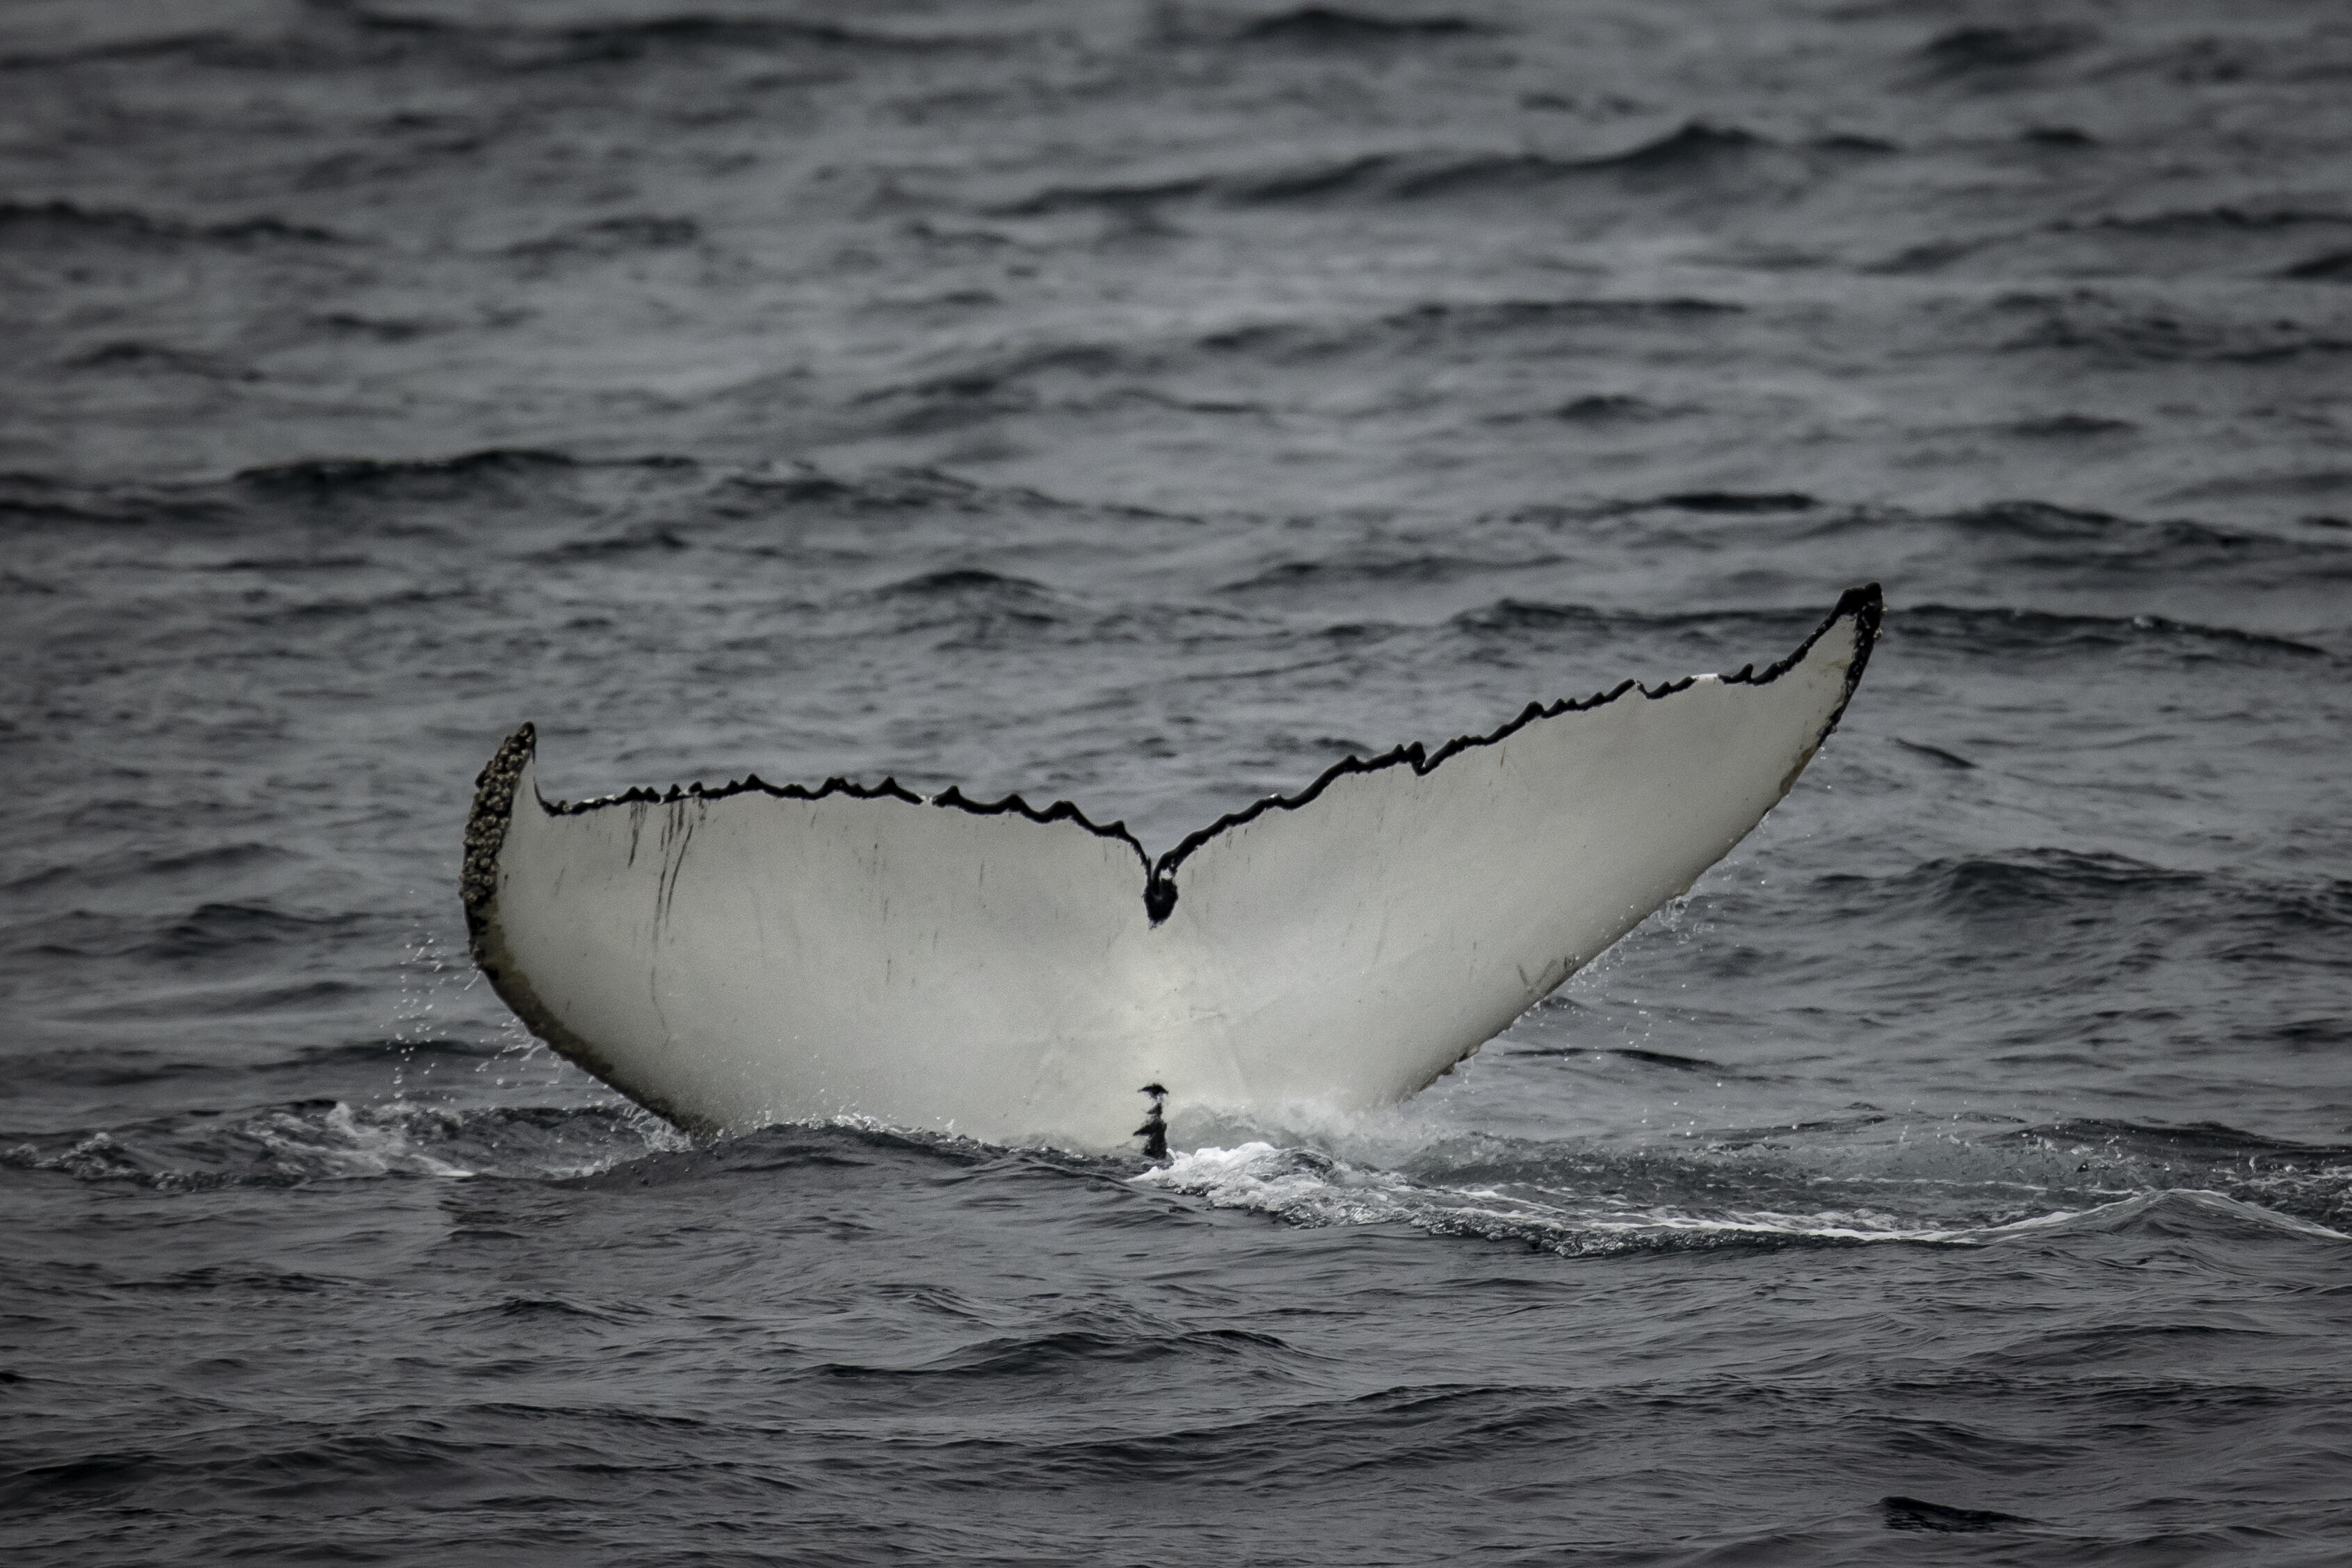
x=1149 y=406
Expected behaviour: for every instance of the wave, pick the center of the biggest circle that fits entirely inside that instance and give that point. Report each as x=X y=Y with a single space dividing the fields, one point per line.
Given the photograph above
x=188 y=43
x=847 y=1144
x=676 y=36
x=334 y=473
x=381 y=329
x=1696 y=145
x=973 y=606
x=1933 y=255
x=1519 y=314
x=209 y=933
x=647 y=539
x=1661 y=1059
x=1854 y=144
x=207 y=863
x=1914 y=1514
x=2095 y=325
x=962 y=582
x=2203 y=59
x=1348 y=176
x=1470 y=326
x=2215 y=1142
x=2030 y=909
x=322 y=35
x=23 y=223
x=1938 y=755
x=2083 y=543
x=704 y=31
x=1060 y=1352
x=2175 y=1214
x=330 y=35
x=1611 y=408
x=1306 y=1188
x=1395 y=176
x=2330 y=266
x=2293 y=485
x=1741 y=502
x=883 y=492
x=2003 y=631
x=2222 y=218
x=2047 y=520
x=2189 y=236
x=298 y=1459
x=305 y=1141
x=37 y=500
x=1696 y=152
x=503 y=472
x=2070 y=427
x=493 y=471
x=1416 y=568
x=1325 y=26
x=1988 y=886
x=1979 y=52
x=1595 y=1204
x=1124 y=196
x=609 y=238
x=993 y=388
x=141 y=358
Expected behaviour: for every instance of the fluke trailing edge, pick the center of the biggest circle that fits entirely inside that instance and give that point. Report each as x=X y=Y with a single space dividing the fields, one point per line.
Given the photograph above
x=736 y=957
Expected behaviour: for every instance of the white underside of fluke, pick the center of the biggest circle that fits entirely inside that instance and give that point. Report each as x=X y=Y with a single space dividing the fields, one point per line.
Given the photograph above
x=738 y=958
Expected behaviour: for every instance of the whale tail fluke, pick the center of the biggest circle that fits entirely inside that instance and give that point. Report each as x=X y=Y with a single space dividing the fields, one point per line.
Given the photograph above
x=742 y=955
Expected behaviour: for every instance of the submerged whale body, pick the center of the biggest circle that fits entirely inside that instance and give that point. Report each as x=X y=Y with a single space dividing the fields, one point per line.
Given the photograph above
x=737 y=956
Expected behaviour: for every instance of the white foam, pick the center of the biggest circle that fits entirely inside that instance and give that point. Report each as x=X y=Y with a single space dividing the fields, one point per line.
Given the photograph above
x=1302 y=1187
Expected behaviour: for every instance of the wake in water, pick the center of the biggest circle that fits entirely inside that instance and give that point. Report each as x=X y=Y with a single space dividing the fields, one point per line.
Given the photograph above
x=1902 y=1180
x=1583 y=1202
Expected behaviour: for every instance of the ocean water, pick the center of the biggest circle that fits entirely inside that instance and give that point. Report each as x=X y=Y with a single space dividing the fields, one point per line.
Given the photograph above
x=1147 y=405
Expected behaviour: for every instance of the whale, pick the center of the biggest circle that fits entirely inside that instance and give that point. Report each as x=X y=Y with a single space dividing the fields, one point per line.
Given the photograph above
x=743 y=955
